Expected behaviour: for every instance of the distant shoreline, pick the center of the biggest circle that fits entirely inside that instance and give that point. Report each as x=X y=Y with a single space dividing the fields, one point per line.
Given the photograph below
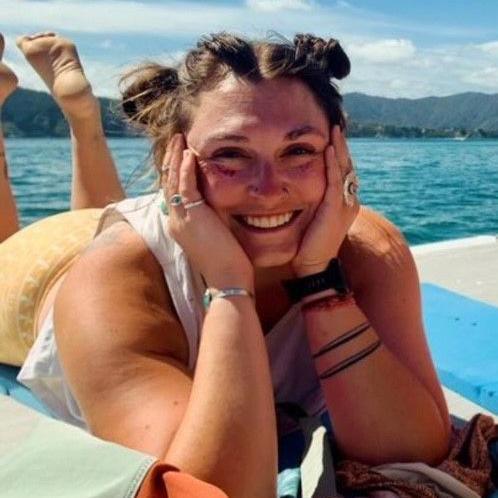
x=466 y=116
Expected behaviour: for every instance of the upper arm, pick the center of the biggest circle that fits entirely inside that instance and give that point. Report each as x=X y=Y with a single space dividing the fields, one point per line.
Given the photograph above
x=387 y=289
x=121 y=346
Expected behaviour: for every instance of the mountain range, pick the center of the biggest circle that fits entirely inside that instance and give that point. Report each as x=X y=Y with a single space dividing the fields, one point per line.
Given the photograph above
x=28 y=113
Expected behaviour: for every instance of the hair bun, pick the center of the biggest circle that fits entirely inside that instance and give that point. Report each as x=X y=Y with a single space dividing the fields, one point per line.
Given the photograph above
x=325 y=55
x=144 y=86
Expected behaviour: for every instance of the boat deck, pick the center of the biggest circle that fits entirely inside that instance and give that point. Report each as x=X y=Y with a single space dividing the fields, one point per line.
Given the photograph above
x=469 y=267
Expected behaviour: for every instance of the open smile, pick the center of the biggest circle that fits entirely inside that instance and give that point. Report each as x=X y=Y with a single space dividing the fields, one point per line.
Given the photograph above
x=268 y=223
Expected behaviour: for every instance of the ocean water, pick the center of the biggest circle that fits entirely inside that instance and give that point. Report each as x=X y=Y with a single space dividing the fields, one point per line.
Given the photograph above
x=431 y=189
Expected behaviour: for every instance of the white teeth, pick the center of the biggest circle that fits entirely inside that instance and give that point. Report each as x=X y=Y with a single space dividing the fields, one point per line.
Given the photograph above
x=268 y=221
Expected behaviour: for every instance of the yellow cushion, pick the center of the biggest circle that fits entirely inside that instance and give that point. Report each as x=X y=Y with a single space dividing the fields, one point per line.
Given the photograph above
x=30 y=262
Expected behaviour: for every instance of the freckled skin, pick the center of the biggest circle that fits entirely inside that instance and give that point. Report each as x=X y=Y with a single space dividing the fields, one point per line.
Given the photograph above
x=265 y=174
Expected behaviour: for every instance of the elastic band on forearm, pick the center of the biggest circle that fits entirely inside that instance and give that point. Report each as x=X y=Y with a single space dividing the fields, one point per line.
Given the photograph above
x=329 y=302
x=342 y=365
x=343 y=339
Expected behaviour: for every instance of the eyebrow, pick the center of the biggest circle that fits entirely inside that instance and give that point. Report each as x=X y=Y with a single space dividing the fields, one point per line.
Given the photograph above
x=291 y=135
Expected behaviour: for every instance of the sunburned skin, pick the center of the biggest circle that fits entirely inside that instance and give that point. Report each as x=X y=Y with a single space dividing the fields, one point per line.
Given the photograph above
x=219 y=169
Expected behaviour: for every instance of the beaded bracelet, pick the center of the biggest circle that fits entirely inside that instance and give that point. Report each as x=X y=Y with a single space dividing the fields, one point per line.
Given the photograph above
x=329 y=302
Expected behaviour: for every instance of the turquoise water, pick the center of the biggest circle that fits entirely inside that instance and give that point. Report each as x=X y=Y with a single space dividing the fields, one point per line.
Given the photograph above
x=432 y=189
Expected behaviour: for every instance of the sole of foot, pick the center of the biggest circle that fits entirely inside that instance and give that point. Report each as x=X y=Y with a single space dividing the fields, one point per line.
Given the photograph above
x=8 y=80
x=56 y=61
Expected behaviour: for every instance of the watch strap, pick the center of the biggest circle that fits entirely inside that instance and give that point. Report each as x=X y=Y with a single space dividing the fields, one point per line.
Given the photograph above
x=333 y=277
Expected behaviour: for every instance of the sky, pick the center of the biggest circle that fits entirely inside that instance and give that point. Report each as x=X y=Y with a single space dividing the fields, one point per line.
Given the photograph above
x=398 y=48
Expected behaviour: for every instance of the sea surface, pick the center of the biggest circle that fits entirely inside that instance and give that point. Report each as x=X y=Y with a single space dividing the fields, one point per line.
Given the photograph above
x=432 y=189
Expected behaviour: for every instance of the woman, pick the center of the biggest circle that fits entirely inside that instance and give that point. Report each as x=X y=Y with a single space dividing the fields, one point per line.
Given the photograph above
x=258 y=183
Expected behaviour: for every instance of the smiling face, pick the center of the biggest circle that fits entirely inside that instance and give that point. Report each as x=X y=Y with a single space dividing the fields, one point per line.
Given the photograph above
x=260 y=150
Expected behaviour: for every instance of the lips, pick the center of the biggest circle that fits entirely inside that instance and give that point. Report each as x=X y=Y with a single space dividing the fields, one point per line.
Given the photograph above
x=267 y=222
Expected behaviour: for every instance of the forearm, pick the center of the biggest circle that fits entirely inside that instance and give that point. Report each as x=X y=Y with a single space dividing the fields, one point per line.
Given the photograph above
x=380 y=411
x=95 y=181
x=228 y=434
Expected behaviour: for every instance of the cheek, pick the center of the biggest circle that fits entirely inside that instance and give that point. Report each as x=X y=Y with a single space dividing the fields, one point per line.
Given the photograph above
x=218 y=188
x=310 y=178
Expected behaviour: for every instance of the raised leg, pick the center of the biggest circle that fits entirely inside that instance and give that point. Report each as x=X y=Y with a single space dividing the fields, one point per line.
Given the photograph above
x=9 y=221
x=95 y=180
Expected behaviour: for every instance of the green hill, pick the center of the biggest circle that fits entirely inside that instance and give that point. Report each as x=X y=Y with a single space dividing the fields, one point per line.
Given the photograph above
x=28 y=113
x=470 y=111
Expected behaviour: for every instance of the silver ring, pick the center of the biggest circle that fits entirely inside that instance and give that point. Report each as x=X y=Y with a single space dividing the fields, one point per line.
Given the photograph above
x=176 y=200
x=350 y=188
x=164 y=168
x=193 y=204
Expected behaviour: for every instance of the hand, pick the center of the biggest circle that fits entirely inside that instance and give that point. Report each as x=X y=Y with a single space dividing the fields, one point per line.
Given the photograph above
x=333 y=217
x=208 y=243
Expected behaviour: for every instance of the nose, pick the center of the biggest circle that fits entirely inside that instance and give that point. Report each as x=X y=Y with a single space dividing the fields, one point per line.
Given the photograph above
x=268 y=181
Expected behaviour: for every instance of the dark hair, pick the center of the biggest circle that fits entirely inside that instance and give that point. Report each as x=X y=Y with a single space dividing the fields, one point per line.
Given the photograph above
x=160 y=99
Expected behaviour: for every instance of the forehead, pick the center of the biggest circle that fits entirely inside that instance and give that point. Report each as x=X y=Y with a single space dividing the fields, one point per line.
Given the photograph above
x=239 y=106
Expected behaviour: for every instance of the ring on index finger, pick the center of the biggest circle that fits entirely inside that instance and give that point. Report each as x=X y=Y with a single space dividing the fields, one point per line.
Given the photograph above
x=351 y=186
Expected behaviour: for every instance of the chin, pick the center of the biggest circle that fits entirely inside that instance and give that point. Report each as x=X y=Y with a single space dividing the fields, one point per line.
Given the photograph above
x=270 y=259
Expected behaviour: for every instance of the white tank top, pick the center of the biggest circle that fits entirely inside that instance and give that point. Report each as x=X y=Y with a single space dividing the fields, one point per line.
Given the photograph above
x=293 y=374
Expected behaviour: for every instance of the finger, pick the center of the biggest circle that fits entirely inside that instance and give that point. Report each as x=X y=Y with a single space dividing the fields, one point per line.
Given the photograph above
x=165 y=166
x=175 y=161
x=341 y=150
x=188 y=180
x=334 y=173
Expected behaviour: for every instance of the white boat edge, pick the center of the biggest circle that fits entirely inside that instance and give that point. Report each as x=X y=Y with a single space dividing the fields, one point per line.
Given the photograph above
x=445 y=245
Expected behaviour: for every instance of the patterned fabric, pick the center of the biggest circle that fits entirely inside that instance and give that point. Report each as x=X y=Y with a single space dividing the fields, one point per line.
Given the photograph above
x=30 y=261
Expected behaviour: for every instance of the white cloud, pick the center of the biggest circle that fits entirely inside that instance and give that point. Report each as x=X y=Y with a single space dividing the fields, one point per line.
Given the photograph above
x=489 y=48
x=109 y=16
x=383 y=51
x=381 y=64
x=276 y=5
x=486 y=78
x=106 y=44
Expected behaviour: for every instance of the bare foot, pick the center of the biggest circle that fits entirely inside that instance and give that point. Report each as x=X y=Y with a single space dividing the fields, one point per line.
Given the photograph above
x=8 y=80
x=56 y=60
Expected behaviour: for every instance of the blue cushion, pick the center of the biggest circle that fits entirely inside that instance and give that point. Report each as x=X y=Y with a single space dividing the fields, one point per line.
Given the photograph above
x=10 y=386
x=463 y=338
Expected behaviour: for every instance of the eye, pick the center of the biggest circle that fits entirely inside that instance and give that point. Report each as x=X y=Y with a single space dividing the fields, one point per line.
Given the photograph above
x=228 y=154
x=300 y=150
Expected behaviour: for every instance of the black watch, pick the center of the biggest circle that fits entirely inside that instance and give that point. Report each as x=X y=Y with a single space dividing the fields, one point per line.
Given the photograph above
x=332 y=277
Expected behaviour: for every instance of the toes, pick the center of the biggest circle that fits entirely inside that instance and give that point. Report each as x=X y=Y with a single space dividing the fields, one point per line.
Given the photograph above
x=41 y=34
x=24 y=42
x=20 y=40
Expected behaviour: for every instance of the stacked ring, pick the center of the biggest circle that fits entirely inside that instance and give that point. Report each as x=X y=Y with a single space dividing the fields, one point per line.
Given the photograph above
x=190 y=205
x=176 y=200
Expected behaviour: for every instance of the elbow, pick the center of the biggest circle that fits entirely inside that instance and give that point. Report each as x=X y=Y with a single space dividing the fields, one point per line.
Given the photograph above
x=429 y=445
x=438 y=445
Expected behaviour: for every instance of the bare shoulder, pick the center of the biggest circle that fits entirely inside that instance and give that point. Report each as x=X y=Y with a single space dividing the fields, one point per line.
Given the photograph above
x=118 y=280
x=375 y=246
x=375 y=234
